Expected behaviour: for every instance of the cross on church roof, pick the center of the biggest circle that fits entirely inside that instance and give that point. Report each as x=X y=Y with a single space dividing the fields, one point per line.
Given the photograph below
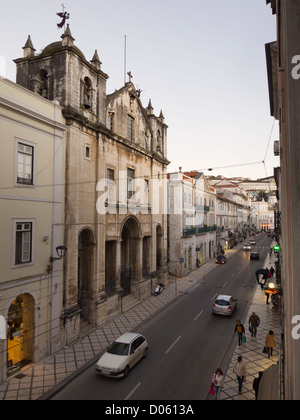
x=130 y=76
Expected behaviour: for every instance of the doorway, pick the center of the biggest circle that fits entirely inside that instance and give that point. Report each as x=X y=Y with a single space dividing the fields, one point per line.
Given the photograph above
x=129 y=247
x=20 y=334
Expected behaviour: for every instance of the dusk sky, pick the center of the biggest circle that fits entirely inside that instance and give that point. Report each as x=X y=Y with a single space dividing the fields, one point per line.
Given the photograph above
x=202 y=62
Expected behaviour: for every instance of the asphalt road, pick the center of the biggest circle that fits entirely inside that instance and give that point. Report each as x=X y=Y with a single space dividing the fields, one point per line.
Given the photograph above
x=186 y=342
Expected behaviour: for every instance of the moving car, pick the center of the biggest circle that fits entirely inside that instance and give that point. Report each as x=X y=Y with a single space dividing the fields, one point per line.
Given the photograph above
x=224 y=305
x=254 y=256
x=122 y=355
x=252 y=242
x=247 y=247
x=221 y=259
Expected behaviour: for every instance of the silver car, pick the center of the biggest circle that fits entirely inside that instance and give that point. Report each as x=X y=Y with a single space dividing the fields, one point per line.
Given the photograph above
x=122 y=355
x=247 y=247
x=224 y=305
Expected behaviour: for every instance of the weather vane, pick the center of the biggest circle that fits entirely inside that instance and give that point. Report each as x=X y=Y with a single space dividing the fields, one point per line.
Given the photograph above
x=64 y=15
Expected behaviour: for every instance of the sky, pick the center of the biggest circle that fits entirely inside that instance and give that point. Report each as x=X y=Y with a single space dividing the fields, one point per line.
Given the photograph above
x=202 y=62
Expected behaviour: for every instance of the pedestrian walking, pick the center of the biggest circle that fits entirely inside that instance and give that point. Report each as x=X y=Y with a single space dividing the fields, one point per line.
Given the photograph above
x=254 y=322
x=270 y=343
x=218 y=381
x=240 y=370
x=272 y=271
x=240 y=330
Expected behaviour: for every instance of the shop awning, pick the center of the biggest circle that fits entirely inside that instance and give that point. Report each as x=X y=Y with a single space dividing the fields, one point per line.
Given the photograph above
x=269 y=387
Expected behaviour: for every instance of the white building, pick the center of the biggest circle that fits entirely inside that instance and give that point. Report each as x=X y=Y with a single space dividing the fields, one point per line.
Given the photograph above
x=32 y=157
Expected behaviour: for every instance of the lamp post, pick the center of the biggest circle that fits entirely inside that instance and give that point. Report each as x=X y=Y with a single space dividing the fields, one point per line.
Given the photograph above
x=61 y=252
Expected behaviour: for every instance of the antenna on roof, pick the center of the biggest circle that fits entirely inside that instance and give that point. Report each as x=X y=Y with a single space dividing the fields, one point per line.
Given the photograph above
x=125 y=58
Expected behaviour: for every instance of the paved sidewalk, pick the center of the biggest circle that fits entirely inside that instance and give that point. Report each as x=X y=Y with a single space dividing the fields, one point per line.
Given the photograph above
x=39 y=379
x=252 y=351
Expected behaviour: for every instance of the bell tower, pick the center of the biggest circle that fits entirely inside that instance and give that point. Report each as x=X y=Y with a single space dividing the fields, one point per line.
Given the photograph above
x=61 y=72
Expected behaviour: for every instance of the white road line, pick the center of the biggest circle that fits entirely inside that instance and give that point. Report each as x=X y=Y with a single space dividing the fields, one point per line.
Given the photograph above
x=214 y=297
x=133 y=391
x=195 y=319
x=173 y=344
x=225 y=284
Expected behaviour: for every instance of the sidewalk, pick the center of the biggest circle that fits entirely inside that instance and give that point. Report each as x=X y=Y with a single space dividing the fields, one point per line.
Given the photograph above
x=39 y=379
x=252 y=351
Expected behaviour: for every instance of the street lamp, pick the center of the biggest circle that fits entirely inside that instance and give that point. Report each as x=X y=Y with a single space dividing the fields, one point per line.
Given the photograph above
x=61 y=251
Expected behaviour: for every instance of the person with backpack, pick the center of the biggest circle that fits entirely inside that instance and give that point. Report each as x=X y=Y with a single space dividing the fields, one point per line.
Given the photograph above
x=240 y=330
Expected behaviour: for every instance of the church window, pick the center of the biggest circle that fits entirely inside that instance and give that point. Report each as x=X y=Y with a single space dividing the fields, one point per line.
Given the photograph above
x=159 y=142
x=87 y=152
x=42 y=84
x=130 y=182
x=110 y=121
x=87 y=93
x=130 y=122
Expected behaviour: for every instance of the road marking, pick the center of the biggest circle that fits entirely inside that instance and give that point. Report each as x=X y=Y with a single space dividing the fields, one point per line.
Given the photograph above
x=225 y=284
x=133 y=391
x=214 y=297
x=233 y=274
x=173 y=344
x=195 y=319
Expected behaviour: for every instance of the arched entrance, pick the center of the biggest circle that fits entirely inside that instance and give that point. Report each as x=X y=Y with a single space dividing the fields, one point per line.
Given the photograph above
x=86 y=272
x=20 y=334
x=129 y=253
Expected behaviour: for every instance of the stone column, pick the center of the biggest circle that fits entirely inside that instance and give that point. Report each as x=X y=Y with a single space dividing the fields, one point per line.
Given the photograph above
x=118 y=264
x=139 y=259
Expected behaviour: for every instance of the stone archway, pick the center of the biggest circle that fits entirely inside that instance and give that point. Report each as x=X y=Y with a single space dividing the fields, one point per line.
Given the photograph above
x=131 y=255
x=21 y=333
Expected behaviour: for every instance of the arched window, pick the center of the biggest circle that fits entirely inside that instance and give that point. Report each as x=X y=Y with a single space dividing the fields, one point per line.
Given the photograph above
x=159 y=142
x=41 y=84
x=87 y=93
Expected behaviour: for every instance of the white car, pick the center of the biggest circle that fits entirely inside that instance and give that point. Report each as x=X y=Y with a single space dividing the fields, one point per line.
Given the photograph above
x=122 y=355
x=224 y=305
x=247 y=247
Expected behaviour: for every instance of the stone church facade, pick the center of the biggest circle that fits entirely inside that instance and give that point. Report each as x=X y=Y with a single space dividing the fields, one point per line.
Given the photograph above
x=115 y=162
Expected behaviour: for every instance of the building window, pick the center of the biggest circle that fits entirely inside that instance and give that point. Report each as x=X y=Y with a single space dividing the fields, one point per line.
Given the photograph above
x=25 y=164
x=130 y=183
x=111 y=174
x=146 y=192
x=110 y=121
x=87 y=93
x=23 y=243
x=87 y=152
x=130 y=122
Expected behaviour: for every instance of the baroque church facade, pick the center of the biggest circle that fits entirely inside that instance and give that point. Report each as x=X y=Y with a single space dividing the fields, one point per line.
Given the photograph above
x=115 y=229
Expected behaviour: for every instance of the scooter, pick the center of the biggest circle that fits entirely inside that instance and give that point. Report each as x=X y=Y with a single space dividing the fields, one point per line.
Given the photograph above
x=158 y=289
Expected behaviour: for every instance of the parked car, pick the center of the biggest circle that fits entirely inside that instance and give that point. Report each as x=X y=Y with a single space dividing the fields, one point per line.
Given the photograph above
x=224 y=305
x=252 y=242
x=221 y=259
x=247 y=247
x=254 y=256
x=122 y=355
